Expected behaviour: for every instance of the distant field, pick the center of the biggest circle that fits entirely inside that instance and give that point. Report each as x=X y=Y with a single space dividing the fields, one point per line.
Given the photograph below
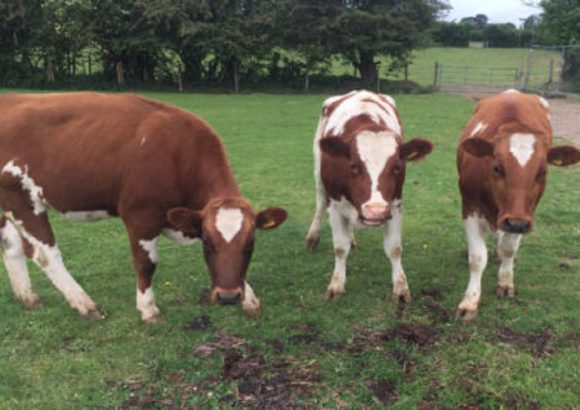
x=360 y=351
x=422 y=68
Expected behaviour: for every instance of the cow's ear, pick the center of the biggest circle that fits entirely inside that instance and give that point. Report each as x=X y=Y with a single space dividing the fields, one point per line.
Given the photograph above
x=186 y=220
x=563 y=155
x=335 y=147
x=416 y=149
x=478 y=147
x=271 y=218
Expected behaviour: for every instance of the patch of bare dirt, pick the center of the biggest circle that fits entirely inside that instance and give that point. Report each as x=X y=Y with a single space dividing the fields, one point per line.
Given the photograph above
x=539 y=344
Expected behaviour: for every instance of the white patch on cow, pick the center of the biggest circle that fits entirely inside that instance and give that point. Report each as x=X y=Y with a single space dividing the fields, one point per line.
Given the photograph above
x=178 y=237
x=479 y=127
x=250 y=304
x=375 y=149
x=475 y=229
x=507 y=248
x=393 y=250
x=390 y=100
x=150 y=246
x=511 y=90
x=331 y=100
x=522 y=147
x=86 y=216
x=28 y=184
x=146 y=305
x=313 y=236
x=49 y=259
x=229 y=222
x=15 y=262
x=544 y=102
x=354 y=106
x=143 y=141
x=342 y=217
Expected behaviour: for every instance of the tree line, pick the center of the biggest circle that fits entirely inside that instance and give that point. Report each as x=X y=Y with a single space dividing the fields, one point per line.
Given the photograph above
x=220 y=43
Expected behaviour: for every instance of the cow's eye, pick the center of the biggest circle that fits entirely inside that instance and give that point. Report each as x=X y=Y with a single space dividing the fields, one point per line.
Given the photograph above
x=498 y=171
x=355 y=169
x=541 y=174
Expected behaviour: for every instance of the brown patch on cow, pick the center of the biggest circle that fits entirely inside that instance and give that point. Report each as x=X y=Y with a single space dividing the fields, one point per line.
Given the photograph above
x=384 y=392
x=339 y=253
x=396 y=253
x=538 y=344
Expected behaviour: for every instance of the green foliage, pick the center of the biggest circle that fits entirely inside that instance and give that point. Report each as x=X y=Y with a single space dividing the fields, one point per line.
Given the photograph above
x=365 y=352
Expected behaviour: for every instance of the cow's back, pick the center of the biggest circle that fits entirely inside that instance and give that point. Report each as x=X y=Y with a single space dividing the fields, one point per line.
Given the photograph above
x=86 y=149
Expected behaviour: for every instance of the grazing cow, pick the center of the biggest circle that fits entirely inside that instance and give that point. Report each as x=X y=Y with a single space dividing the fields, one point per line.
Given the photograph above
x=359 y=168
x=161 y=170
x=502 y=161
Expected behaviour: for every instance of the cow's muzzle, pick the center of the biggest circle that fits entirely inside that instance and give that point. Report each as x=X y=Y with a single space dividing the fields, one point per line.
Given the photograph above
x=227 y=297
x=516 y=225
x=375 y=213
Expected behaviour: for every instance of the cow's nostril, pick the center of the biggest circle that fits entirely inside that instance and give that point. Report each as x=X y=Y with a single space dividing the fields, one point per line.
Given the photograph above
x=227 y=298
x=517 y=226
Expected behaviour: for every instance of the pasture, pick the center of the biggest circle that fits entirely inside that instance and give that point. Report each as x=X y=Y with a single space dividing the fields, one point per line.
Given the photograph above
x=358 y=351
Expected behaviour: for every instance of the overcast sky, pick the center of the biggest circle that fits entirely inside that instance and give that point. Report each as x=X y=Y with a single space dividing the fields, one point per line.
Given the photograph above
x=497 y=11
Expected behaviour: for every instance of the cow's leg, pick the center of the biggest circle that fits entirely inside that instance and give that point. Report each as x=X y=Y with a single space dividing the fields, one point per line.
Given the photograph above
x=393 y=249
x=15 y=262
x=507 y=247
x=250 y=304
x=144 y=253
x=477 y=262
x=35 y=228
x=341 y=239
x=313 y=236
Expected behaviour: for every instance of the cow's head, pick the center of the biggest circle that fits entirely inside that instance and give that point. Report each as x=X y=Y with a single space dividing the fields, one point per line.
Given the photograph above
x=517 y=166
x=371 y=170
x=226 y=228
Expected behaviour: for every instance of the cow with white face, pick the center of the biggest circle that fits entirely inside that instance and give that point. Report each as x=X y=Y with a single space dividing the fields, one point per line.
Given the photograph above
x=359 y=167
x=503 y=159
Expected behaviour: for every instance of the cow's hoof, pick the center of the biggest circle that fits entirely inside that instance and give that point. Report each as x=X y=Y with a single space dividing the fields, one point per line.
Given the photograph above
x=152 y=319
x=466 y=315
x=311 y=242
x=403 y=297
x=503 y=291
x=94 y=313
x=333 y=294
x=31 y=301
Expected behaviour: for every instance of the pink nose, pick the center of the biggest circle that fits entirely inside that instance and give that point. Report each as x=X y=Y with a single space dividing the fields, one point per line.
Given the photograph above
x=375 y=211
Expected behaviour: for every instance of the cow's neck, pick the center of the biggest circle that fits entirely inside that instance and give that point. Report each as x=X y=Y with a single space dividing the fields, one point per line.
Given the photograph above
x=215 y=187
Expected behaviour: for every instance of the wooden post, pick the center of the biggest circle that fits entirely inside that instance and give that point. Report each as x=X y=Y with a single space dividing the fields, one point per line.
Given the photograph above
x=436 y=75
x=236 y=80
x=179 y=81
x=528 y=71
x=551 y=72
x=307 y=82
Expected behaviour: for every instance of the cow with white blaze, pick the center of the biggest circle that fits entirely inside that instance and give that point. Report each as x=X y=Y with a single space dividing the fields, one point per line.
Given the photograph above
x=162 y=170
x=503 y=159
x=359 y=167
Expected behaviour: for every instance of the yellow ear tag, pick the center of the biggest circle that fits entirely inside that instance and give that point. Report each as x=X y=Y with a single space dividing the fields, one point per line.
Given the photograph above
x=269 y=224
x=557 y=162
x=412 y=155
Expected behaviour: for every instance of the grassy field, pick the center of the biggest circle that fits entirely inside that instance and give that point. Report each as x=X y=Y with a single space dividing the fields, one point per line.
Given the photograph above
x=359 y=351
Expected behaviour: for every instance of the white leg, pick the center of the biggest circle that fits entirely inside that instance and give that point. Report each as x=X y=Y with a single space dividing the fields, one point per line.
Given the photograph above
x=507 y=248
x=341 y=239
x=146 y=305
x=313 y=236
x=15 y=262
x=250 y=304
x=477 y=262
x=393 y=249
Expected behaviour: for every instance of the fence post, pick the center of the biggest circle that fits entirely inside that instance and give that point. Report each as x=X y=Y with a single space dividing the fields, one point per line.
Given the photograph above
x=436 y=75
x=551 y=73
x=528 y=71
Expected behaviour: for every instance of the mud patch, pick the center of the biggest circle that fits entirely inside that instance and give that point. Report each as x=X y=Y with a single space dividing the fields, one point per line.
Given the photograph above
x=222 y=342
x=539 y=344
x=384 y=392
x=200 y=323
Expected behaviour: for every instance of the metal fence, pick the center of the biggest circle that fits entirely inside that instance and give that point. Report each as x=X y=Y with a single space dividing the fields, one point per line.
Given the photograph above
x=452 y=77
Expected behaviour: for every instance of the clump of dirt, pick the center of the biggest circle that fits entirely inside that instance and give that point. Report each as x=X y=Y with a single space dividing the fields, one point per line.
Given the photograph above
x=200 y=323
x=222 y=342
x=540 y=344
x=383 y=392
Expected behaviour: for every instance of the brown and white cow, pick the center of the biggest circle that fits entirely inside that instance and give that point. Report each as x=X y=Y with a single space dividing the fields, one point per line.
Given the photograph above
x=359 y=168
x=502 y=161
x=162 y=170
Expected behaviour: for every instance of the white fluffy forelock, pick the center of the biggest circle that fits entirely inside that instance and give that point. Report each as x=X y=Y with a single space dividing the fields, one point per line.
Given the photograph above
x=354 y=106
x=229 y=222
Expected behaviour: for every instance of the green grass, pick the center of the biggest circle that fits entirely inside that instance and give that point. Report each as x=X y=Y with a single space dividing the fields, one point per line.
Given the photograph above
x=349 y=353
